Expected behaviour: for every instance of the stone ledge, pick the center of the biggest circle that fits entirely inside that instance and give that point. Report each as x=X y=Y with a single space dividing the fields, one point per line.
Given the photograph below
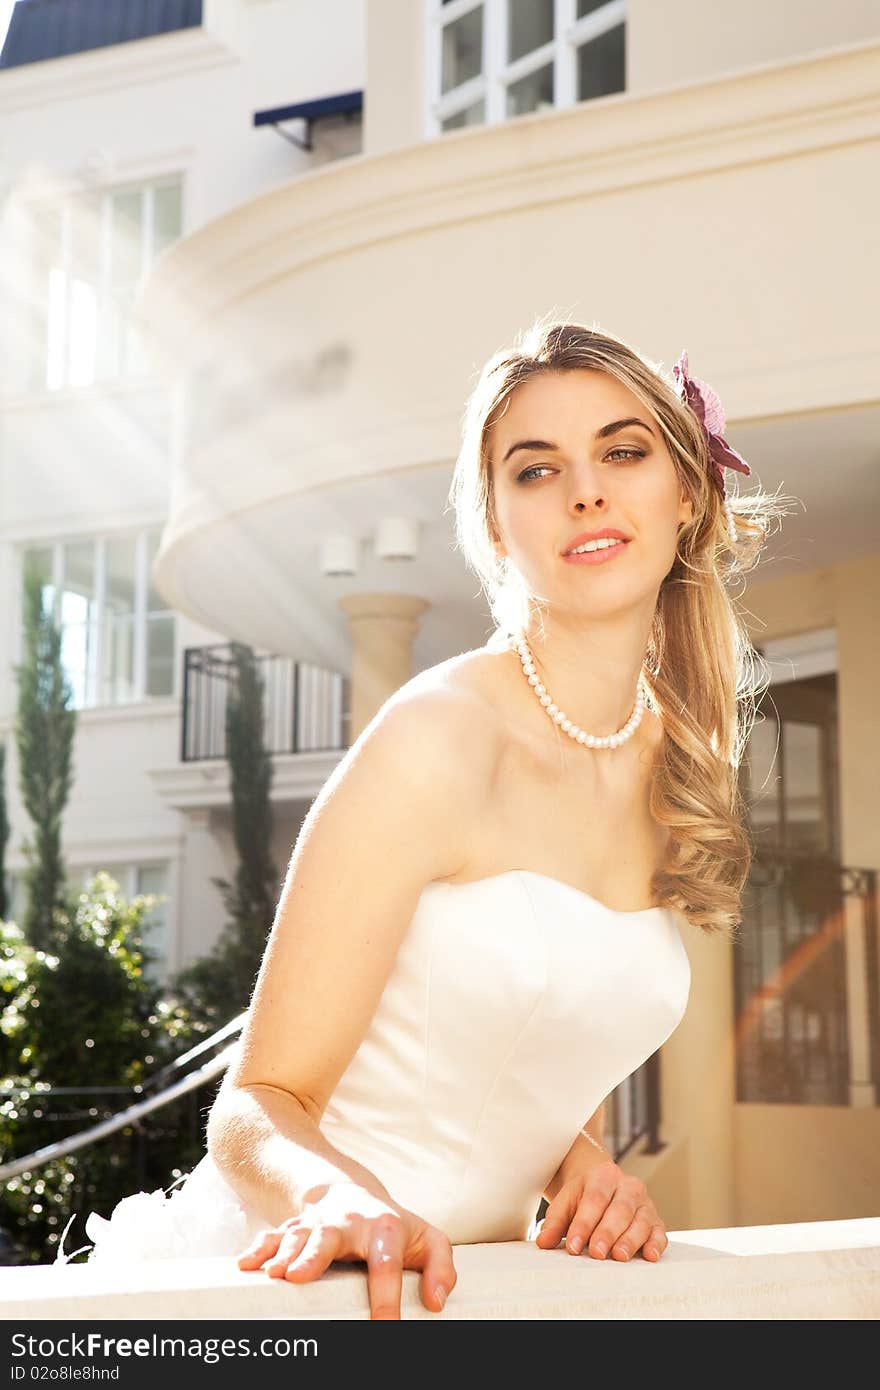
x=823 y=1269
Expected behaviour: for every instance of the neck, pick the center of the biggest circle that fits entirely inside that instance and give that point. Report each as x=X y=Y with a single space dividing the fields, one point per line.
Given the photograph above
x=591 y=668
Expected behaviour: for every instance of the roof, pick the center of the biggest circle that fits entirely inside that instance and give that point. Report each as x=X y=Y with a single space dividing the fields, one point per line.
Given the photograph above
x=41 y=29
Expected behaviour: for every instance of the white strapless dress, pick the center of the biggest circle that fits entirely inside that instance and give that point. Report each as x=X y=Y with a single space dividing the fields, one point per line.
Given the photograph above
x=515 y=1005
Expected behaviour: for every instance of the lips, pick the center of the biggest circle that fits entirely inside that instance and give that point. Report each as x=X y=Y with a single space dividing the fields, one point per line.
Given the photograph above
x=607 y=532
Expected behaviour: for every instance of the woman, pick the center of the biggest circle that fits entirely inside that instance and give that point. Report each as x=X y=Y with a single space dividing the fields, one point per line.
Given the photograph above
x=478 y=935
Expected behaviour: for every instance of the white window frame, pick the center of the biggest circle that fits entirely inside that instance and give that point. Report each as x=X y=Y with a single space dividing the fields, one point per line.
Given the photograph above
x=126 y=875
x=140 y=618
x=497 y=74
x=107 y=369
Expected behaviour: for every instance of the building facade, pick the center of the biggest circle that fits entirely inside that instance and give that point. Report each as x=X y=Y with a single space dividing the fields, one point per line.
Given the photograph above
x=236 y=365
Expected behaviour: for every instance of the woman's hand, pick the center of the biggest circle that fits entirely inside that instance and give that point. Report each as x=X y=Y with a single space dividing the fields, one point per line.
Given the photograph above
x=609 y=1209
x=347 y=1222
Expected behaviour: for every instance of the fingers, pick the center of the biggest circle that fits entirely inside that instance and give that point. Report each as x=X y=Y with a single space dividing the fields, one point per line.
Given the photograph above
x=557 y=1217
x=577 y=1207
x=260 y=1249
x=385 y=1268
x=656 y=1243
x=438 y=1271
x=627 y=1223
x=312 y=1250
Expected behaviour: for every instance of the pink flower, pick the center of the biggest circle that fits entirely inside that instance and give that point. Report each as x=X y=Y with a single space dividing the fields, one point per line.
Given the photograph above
x=708 y=409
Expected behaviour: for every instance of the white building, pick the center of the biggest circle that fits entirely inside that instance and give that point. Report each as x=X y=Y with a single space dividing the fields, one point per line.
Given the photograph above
x=109 y=155
x=695 y=173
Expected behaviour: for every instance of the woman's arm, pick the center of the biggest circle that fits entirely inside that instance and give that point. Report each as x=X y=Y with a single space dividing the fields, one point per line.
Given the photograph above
x=395 y=814
x=586 y=1151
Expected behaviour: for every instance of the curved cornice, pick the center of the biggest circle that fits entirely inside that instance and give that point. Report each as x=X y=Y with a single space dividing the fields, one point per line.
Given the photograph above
x=775 y=111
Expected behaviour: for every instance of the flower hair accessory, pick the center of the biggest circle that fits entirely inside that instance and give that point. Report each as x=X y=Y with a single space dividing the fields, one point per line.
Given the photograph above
x=706 y=405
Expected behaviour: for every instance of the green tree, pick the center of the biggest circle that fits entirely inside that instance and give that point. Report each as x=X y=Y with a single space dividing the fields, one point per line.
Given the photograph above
x=218 y=986
x=86 y=1015
x=44 y=731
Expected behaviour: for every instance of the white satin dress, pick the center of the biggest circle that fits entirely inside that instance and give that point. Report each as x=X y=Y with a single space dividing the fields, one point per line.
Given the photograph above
x=515 y=1005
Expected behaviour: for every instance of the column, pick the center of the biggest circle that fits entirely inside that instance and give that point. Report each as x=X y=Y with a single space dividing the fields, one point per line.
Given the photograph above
x=382 y=628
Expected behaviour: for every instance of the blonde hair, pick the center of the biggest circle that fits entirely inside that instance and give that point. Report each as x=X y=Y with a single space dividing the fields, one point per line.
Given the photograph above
x=701 y=672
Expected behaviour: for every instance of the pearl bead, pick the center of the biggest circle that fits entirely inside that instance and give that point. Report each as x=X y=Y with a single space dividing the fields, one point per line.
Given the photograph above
x=561 y=719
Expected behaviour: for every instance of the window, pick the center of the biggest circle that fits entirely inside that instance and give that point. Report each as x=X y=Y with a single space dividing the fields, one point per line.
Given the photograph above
x=86 y=260
x=492 y=59
x=149 y=880
x=117 y=634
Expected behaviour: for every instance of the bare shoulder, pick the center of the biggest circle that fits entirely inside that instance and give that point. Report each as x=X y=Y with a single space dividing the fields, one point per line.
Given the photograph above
x=449 y=715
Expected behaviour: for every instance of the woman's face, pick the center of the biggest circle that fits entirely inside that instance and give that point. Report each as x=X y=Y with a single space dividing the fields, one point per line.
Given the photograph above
x=559 y=469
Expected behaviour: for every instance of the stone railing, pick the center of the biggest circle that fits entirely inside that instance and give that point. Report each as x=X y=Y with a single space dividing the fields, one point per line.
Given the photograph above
x=824 y=1269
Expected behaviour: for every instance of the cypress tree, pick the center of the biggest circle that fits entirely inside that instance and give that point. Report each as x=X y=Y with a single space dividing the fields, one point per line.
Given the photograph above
x=218 y=986
x=44 y=730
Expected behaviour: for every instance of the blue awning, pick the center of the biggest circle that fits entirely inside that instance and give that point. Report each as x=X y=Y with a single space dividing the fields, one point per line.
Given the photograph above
x=343 y=104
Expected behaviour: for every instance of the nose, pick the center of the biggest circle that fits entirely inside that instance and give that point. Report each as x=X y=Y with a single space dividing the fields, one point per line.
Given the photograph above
x=587 y=490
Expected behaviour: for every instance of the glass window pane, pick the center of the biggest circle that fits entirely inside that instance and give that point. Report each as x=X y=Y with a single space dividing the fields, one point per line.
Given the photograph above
x=588 y=6
x=462 y=56
x=602 y=64
x=805 y=826
x=83 y=290
x=762 y=774
x=529 y=26
x=125 y=256
x=117 y=681
x=152 y=879
x=78 y=615
x=532 y=93
x=155 y=601
x=471 y=115
x=166 y=217
x=160 y=656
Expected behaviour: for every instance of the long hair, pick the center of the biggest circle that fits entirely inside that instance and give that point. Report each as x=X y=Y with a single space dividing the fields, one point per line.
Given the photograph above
x=701 y=673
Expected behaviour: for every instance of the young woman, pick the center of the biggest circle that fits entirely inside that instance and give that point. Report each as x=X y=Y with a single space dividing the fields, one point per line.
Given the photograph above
x=478 y=936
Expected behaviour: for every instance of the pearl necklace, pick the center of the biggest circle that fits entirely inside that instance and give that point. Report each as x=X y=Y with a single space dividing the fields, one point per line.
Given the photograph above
x=566 y=724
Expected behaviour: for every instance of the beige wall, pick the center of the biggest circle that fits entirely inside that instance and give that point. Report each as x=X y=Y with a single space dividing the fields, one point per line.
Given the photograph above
x=806 y=1163
x=668 y=43
x=694 y=40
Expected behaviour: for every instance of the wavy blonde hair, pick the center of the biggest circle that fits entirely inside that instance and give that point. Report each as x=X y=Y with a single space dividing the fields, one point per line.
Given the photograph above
x=701 y=672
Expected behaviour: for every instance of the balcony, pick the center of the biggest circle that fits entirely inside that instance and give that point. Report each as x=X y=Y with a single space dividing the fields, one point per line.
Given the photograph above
x=806 y=1270
x=807 y=982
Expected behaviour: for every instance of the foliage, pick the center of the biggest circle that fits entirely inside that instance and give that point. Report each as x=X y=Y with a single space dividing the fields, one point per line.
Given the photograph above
x=44 y=732
x=84 y=1014
x=218 y=986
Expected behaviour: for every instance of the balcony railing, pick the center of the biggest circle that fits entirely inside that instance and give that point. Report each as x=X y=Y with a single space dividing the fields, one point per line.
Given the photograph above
x=806 y=982
x=305 y=708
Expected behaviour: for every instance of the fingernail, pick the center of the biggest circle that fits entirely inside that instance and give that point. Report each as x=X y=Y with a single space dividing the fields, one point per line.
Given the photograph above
x=601 y=1248
x=441 y=1295
x=576 y=1245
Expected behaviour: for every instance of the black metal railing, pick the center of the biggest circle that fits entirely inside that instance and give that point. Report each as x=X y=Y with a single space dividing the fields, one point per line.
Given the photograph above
x=305 y=708
x=793 y=1021
x=632 y=1112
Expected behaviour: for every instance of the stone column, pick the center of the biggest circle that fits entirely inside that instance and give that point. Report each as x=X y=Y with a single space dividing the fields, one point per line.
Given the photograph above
x=382 y=628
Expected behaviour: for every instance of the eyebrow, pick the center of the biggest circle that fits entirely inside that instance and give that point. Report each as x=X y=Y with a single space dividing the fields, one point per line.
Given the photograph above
x=603 y=433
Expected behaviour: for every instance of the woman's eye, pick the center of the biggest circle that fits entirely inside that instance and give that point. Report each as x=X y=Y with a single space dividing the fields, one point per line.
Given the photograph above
x=630 y=453
x=537 y=468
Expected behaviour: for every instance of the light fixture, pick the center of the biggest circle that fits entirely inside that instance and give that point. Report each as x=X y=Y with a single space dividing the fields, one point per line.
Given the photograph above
x=340 y=554
x=397 y=538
